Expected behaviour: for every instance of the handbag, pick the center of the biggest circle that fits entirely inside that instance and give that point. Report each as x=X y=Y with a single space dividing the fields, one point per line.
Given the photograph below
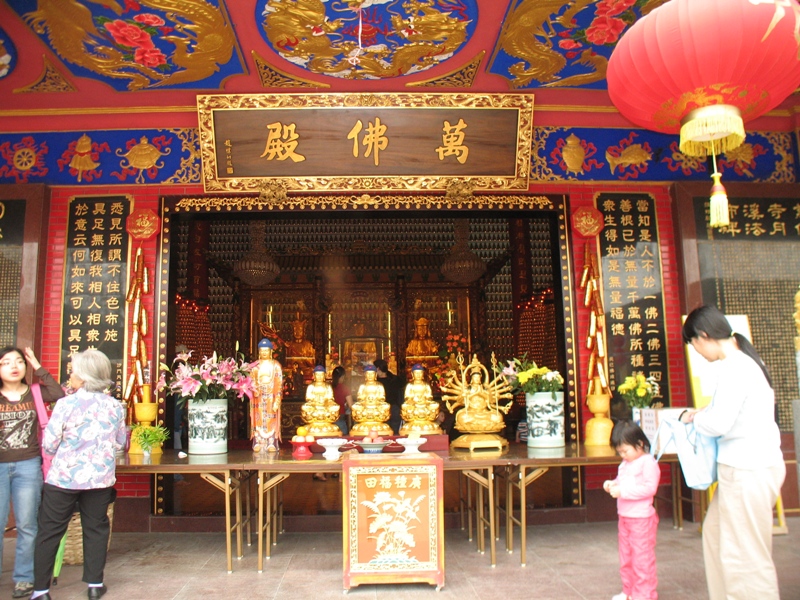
x=697 y=452
x=41 y=412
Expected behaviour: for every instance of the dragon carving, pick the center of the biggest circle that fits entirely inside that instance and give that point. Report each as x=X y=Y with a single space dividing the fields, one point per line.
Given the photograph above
x=302 y=33
x=528 y=35
x=203 y=40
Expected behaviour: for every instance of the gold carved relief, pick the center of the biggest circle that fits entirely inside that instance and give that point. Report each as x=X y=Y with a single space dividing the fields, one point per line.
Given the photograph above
x=361 y=201
x=461 y=77
x=189 y=170
x=272 y=77
x=49 y=81
x=782 y=147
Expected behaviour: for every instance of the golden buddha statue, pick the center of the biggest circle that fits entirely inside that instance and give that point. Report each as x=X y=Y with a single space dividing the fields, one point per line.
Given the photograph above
x=481 y=414
x=300 y=353
x=419 y=411
x=423 y=345
x=370 y=411
x=265 y=410
x=320 y=410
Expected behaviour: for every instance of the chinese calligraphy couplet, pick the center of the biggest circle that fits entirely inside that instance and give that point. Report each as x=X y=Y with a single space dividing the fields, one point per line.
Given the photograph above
x=95 y=272
x=633 y=297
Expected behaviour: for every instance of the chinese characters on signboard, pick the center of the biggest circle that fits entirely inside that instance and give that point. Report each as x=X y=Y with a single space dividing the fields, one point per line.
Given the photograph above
x=755 y=219
x=12 y=227
x=393 y=513
x=365 y=142
x=95 y=275
x=633 y=295
x=405 y=141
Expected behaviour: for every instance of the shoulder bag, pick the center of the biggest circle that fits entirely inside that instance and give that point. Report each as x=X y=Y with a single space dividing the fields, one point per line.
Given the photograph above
x=41 y=412
x=697 y=453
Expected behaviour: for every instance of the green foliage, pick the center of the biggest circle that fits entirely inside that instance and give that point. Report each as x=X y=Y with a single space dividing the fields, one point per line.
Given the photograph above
x=149 y=436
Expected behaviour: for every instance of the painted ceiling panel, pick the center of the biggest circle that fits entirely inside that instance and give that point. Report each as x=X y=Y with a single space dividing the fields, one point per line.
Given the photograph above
x=139 y=44
x=559 y=43
x=367 y=39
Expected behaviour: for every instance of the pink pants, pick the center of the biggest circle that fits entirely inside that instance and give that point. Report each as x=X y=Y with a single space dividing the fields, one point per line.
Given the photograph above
x=637 y=557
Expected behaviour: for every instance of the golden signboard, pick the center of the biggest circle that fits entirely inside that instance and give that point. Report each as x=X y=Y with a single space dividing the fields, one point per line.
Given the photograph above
x=347 y=142
x=393 y=509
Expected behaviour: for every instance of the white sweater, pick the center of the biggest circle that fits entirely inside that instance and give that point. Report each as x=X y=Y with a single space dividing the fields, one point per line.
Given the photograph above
x=742 y=413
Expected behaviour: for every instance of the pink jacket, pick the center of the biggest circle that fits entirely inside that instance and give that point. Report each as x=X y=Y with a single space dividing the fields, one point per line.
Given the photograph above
x=638 y=483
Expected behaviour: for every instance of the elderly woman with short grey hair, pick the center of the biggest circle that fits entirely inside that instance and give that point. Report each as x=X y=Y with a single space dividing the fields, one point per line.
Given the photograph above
x=84 y=433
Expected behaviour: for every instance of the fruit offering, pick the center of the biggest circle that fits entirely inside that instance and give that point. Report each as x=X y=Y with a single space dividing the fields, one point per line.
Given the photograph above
x=372 y=437
x=302 y=435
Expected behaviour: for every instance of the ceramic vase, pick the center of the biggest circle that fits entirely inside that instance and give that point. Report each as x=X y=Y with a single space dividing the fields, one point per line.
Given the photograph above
x=208 y=426
x=545 y=412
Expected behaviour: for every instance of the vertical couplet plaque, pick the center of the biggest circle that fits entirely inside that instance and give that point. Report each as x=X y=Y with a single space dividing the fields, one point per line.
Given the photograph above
x=95 y=276
x=393 y=516
x=633 y=289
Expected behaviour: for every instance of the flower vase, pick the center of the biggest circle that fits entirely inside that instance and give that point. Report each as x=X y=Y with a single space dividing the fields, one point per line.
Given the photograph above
x=208 y=426
x=545 y=412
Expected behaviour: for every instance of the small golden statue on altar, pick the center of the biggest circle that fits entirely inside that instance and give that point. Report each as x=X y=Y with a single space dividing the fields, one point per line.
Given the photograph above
x=300 y=353
x=479 y=395
x=419 y=411
x=422 y=348
x=320 y=410
x=370 y=411
x=265 y=412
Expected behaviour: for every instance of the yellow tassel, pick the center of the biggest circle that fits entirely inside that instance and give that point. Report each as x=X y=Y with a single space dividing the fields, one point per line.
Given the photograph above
x=719 y=215
x=717 y=124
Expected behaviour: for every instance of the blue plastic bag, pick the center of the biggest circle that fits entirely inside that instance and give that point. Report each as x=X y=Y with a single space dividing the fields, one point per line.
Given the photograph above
x=697 y=453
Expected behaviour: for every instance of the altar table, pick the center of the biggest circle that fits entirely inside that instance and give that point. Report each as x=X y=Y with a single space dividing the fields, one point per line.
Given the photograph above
x=520 y=465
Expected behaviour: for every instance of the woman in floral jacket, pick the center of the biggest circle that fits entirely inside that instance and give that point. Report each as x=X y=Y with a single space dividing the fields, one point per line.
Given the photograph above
x=84 y=433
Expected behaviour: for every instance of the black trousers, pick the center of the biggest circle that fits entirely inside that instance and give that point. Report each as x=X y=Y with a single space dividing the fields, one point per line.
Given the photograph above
x=58 y=505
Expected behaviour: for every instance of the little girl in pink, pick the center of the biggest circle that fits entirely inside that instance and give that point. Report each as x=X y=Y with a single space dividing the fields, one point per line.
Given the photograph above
x=634 y=488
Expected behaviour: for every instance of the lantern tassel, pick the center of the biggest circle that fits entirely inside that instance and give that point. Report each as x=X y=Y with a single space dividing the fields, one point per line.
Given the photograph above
x=719 y=215
x=718 y=124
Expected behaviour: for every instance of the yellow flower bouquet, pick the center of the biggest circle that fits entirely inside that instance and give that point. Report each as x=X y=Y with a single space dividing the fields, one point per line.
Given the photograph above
x=527 y=376
x=639 y=390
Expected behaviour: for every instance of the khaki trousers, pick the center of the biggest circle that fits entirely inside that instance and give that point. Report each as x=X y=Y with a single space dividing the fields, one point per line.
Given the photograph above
x=737 y=534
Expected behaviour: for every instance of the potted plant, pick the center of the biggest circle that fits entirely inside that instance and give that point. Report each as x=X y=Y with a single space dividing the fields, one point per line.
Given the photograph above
x=208 y=386
x=638 y=392
x=148 y=437
x=544 y=401
x=527 y=376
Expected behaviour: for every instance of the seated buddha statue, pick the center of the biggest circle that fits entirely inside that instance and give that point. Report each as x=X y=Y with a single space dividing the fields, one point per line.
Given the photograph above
x=481 y=411
x=300 y=353
x=370 y=411
x=419 y=410
x=422 y=346
x=320 y=410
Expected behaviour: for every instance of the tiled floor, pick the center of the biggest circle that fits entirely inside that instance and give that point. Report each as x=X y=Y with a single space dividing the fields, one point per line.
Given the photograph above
x=565 y=562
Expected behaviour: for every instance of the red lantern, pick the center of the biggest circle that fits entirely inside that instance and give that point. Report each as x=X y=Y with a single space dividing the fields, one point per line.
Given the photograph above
x=704 y=68
x=738 y=56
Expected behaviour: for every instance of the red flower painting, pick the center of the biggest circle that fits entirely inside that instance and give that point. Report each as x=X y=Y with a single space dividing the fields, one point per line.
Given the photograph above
x=126 y=34
x=605 y=30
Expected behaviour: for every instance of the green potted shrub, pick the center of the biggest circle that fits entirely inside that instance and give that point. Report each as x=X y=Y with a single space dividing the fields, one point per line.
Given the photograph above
x=148 y=437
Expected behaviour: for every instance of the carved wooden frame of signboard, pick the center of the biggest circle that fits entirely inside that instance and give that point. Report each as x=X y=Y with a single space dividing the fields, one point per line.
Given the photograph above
x=248 y=142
